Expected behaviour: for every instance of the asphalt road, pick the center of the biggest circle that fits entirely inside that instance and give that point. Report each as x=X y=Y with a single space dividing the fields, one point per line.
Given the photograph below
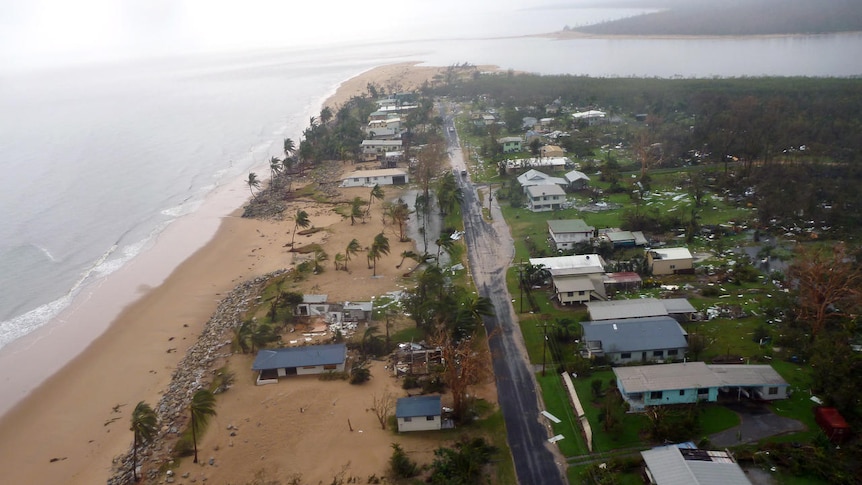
x=490 y=250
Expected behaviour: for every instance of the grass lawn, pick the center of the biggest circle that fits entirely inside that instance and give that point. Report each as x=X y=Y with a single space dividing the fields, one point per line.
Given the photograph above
x=715 y=418
x=557 y=403
x=602 y=441
x=494 y=427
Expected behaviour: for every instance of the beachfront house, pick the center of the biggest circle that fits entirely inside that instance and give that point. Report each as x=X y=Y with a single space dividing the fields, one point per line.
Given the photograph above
x=270 y=364
x=567 y=233
x=687 y=465
x=543 y=198
x=623 y=341
x=419 y=413
x=668 y=261
x=370 y=178
x=374 y=149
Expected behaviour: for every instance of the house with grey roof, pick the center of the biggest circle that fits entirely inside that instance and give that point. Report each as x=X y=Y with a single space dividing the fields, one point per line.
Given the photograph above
x=690 y=382
x=628 y=340
x=678 y=308
x=418 y=413
x=577 y=180
x=535 y=177
x=659 y=385
x=543 y=198
x=568 y=232
x=759 y=382
x=676 y=465
x=296 y=361
x=510 y=144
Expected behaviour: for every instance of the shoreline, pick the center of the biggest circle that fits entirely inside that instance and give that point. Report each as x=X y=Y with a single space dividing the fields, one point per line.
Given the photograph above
x=81 y=409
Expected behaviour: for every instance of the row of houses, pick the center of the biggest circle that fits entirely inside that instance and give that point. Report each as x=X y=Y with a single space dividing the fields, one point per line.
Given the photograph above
x=581 y=278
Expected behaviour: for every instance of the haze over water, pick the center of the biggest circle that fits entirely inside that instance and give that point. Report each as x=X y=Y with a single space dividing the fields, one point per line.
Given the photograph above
x=123 y=124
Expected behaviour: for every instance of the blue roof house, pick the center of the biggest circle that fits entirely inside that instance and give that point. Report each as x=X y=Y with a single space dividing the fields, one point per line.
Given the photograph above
x=291 y=361
x=628 y=340
x=418 y=413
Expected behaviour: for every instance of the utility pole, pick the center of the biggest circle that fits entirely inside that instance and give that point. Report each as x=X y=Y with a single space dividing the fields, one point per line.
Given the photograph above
x=521 y=286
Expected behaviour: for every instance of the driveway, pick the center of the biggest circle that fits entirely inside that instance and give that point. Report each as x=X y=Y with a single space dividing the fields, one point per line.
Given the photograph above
x=758 y=422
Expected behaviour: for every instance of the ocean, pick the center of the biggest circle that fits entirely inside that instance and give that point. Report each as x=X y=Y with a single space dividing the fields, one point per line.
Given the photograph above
x=99 y=159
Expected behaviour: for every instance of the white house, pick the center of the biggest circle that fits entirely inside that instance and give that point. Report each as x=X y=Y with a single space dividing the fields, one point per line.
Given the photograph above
x=556 y=163
x=575 y=279
x=667 y=261
x=418 y=413
x=542 y=198
x=292 y=361
x=568 y=232
x=370 y=178
x=534 y=177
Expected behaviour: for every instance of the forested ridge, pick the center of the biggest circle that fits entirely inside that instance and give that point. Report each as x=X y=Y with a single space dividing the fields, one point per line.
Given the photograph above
x=735 y=17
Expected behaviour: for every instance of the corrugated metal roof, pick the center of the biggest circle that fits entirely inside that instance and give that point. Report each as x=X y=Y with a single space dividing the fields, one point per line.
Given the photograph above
x=544 y=190
x=668 y=467
x=579 y=261
x=383 y=172
x=666 y=377
x=569 y=225
x=636 y=334
x=577 y=283
x=747 y=375
x=671 y=253
x=314 y=298
x=288 y=357
x=678 y=305
x=620 y=309
x=409 y=407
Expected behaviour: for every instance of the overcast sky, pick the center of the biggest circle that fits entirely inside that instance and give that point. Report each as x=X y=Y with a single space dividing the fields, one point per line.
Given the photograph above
x=62 y=31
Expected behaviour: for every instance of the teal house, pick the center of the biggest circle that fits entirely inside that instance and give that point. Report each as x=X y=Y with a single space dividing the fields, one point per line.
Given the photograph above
x=659 y=385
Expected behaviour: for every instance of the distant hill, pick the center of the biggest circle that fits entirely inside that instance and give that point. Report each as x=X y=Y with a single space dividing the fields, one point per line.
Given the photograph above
x=735 y=17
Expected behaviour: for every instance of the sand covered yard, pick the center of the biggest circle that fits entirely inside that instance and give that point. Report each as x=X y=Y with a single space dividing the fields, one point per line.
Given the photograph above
x=73 y=426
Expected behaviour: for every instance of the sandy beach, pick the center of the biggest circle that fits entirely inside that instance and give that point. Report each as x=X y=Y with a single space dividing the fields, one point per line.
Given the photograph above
x=70 y=428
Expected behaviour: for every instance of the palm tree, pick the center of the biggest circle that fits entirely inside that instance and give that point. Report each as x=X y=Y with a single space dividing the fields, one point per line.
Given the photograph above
x=355 y=210
x=376 y=193
x=201 y=408
x=408 y=254
x=446 y=243
x=353 y=247
x=379 y=248
x=470 y=314
x=289 y=148
x=300 y=220
x=319 y=257
x=400 y=213
x=253 y=183
x=144 y=428
x=325 y=115
x=339 y=261
x=274 y=170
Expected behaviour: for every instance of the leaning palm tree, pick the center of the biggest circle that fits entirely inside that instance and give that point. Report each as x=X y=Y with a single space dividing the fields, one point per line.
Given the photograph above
x=253 y=183
x=300 y=220
x=352 y=249
x=408 y=254
x=379 y=248
x=355 y=210
x=144 y=428
x=274 y=170
x=201 y=408
x=444 y=243
x=376 y=193
x=289 y=147
x=339 y=261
